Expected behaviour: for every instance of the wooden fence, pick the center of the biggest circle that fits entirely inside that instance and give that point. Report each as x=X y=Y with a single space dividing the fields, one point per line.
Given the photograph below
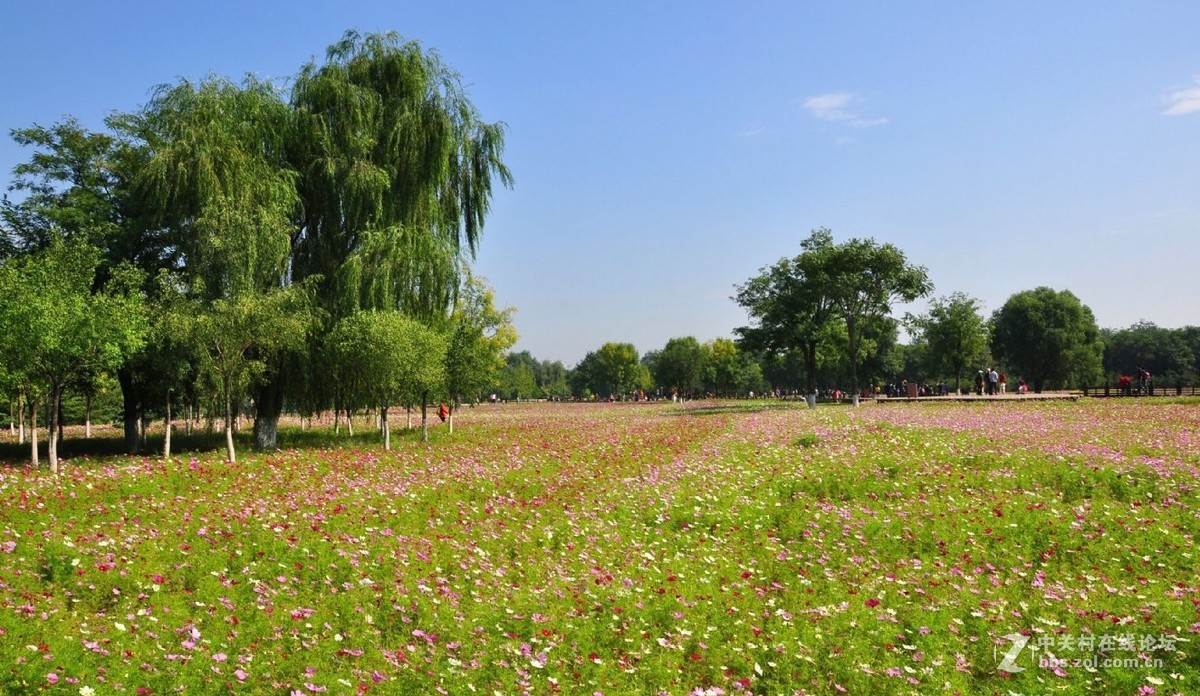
x=1151 y=390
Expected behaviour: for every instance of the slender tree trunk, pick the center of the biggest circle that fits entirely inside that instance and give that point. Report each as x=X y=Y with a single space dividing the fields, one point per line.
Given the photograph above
x=337 y=420
x=87 y=416
x=59 y=412
x=167 y=430
x=350 y=422
x=22 y=402
x=450 y=417
x=408 y=410
x=55 y=427
x=130 y=409
x=387 y=431
x=12 y=423
x=190 y=415
x=424 y=417
x=33 y=432
x=229 y=424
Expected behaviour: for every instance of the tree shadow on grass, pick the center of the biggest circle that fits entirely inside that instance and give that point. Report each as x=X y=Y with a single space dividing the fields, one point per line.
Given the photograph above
x=109 y=443
x=715 y=408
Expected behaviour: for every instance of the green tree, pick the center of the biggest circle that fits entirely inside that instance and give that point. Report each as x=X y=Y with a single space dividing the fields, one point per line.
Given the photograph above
x=57 y=330
x=380 y=358
x=791 y=305
x=479 y=335
x=1048 y=337
x=518 y=377
x=1162 y=352
x=954 y=333
x=864 y=279
x=552 y=379
x=397 y=171
x=218 y=179
x=236 y=339
x=78 y=186
x=617 y=367
x=794 y=302
x=679 y=365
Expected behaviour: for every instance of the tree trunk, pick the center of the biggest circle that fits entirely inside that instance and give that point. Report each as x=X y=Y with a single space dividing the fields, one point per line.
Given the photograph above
x=87 y=416
x=383 y=426
x=130 y=409
x=229 y=424
x=350 y=422
x=852 y=334
x=450 y=416
x=21 y=405
x=810 y=366
x=424 y=418
x=58 y=411
x=337 y=420
x=408 y=411
x=167 y=430
x=55 y=426
x=33 y=432
x=268 y=405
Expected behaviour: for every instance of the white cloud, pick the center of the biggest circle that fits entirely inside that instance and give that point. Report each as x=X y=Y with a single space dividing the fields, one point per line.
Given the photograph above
x=841 y=107
x=1183 y=101
x=752 y=131
x=830 y=107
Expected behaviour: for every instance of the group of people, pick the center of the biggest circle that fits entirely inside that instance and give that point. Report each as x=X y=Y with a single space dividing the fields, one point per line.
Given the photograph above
x=990 y=382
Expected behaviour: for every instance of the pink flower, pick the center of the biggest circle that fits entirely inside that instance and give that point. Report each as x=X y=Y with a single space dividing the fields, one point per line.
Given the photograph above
x=52 y=679
x=241 y=675
x=872 y=602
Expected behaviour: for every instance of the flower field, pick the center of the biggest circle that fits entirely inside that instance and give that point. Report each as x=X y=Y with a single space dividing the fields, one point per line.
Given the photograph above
x=707 y=548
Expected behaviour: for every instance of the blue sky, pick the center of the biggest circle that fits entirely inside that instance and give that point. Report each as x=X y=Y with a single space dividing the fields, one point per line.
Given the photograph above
x=665 y=151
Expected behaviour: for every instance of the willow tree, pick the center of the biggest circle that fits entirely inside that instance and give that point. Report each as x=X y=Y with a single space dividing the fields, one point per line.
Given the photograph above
x=396 y=171
x=396 y=175
x=219 y=180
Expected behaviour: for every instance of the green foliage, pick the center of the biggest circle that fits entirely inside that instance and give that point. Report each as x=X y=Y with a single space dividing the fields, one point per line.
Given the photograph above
x=617 y=367
x=397 y=172
x=217 y=178
x=479 y=334
x=57 y=330
x=236 y=339
x=381 y=358
x=1048 y=338
x=69 y=185
x=679 y=365
x=954 y=333
x=1165 y=353
x=794 y=304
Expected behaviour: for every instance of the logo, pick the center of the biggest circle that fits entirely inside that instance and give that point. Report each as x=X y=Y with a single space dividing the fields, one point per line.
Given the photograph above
x=1009 y=662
